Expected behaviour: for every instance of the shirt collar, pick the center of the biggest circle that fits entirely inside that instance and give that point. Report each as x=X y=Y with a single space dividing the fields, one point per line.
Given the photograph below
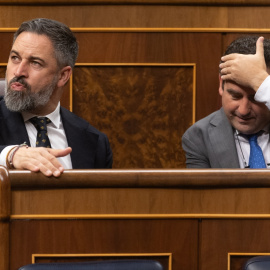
x=264 y=131
x=53 y=116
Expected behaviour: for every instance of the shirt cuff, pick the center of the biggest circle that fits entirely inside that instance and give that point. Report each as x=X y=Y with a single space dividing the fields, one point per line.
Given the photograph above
x=3 y=154
x=263 y=93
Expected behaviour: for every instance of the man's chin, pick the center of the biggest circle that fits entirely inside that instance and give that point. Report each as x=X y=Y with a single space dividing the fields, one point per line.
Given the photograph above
x=16 y=104
x=245 y=128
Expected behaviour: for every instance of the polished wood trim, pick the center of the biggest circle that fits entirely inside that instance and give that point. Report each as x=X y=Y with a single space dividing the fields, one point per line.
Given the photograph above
x=173 y=30
x=5 y=194
x=157 y=30
x=5 y=209
x=143 y=216
x=65 y=255
x=71 y=93
x=139 y=2
x=246 y=253
x=136 y=64
x=7 y=29
x=100 y=254
x=194 y=95
x=180 y=178
x=230 y=254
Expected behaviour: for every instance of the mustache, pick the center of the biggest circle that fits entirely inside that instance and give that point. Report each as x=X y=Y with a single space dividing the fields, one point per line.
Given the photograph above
x=19 y=80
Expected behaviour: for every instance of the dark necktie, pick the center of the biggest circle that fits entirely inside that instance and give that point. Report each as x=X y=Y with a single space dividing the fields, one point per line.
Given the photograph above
x=256 y=159
x=40 y=124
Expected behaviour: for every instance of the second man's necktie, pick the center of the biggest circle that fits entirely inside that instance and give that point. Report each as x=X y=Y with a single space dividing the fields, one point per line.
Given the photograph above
x=40 y=124
x=256 y=159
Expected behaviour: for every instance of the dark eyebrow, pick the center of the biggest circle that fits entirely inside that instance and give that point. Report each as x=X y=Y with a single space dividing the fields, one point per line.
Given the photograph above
x=233 y=92
x=32 y=58
x=13 y=51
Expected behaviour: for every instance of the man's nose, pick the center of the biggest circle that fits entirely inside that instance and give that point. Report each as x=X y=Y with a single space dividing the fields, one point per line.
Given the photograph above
x=244 y=107
x=21 y=70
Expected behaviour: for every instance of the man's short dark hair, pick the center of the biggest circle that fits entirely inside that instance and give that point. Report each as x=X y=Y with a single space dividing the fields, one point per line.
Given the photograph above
x=247 y=45
x=63 y=40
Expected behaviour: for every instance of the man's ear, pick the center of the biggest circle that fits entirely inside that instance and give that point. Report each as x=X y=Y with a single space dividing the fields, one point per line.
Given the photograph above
x=64 y=76
x=221 y=86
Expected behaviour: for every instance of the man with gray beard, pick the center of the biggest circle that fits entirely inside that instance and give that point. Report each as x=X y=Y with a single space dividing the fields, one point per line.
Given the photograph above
x=38 y=134
x=19 y=101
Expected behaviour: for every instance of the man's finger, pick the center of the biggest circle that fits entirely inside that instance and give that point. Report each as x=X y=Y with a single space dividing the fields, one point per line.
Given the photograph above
x=41 y=159
x=225 y=71
x=226 y=64
x=228 y=57
x=59 y=152
x=259 y=46
x=226 y=77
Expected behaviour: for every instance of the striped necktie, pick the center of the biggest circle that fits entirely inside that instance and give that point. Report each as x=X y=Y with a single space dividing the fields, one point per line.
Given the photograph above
x=256 y=159
x=40 y=124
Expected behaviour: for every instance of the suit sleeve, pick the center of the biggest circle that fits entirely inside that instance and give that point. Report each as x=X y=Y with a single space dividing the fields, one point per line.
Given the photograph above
x=104 y=156
x=193 y=146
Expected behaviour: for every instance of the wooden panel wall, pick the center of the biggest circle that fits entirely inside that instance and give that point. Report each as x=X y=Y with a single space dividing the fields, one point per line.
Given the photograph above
x=140 y=13
x=197 y=217
x=150 y=32
x=142 y=108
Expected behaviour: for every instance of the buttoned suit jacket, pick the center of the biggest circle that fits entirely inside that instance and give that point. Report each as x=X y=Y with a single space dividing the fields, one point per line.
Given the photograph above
x=210 y=143
x=90 y=147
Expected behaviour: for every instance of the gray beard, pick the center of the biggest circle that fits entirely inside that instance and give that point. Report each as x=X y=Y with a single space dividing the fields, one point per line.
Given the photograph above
x=26 y=101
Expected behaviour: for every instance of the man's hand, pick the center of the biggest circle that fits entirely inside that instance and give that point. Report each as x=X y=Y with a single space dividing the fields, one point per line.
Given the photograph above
x=247 y=70
x=40 y=159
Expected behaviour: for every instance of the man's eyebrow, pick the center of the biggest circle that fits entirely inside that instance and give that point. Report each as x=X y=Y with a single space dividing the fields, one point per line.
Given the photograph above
x=13 y=51
x=34 y=58
x=233 y=92
x=31 y=58
x=236 y=93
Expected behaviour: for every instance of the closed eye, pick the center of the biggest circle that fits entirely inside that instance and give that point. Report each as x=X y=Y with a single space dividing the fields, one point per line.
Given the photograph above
x=234 y=94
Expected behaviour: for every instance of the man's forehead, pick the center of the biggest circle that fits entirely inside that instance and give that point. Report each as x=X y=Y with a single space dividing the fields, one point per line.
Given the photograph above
x=234 y=87
x=32 y=41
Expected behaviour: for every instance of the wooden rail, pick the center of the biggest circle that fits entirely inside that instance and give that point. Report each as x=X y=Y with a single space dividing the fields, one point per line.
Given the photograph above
x=178 y=217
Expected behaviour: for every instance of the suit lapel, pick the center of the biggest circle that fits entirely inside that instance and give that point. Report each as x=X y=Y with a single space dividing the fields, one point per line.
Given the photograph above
x=223 y=142
x=12 y=127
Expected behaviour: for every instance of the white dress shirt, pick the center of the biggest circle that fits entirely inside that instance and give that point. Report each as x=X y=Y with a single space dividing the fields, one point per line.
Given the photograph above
x=56 y=134
x=243 y=147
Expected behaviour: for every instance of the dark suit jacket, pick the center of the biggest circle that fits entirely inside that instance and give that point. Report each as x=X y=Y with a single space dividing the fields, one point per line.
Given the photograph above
x=210 y=143
x=90 y=147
